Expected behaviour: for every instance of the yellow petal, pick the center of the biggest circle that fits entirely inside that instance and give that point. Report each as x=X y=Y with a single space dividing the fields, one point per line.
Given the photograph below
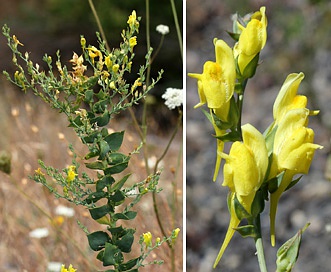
x=256 y=142
x=286 y=98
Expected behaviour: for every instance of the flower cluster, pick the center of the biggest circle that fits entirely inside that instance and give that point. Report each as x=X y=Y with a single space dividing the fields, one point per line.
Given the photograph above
x=173 y=98
x=258 y=165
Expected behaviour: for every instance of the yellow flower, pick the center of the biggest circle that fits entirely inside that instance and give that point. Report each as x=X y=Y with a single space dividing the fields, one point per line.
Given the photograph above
x=39 y=172
x=216 y=83
x=293 y=151
x=246 y=165
x=71 y=175
x=251 y=40
x=16 y=41
x=287 y=97
x=244 y=173
x=147 y=239
x=115 y=68
x=70 y=269
x=108 y=62
x=133 y=42
x=132 y=21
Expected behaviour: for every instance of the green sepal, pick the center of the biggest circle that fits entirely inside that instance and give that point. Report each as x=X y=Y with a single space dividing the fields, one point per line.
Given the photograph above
x=288 y=253
x=274 y=183
x=258 y=204
x=112 y=255
x=98 y=239
x=250 y=69
x=240 y=210
x=246 y=231
x=232 y=118
x=231 y=136
x=234 y=36
x=293 y=182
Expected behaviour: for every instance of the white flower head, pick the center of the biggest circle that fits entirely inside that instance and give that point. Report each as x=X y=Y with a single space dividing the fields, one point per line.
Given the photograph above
x=64 y=211
x=173 y=98
x=162 y=29
x=54 y=267
x=39 y=233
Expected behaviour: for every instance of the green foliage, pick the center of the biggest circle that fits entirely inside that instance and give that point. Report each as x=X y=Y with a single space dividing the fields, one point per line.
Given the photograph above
x=91 y=94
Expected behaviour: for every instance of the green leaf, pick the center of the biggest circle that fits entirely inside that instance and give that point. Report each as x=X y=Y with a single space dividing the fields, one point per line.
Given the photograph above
x=118 y=168
x=88 y=96
x=101 y=120
x=115 y=140
x=125 y=216
x=116 y=158
x=95 y=197
x=125 y=243
x=98 y=239
x=104 y=149
x=288 y=253
x=120 y=183
x=118 y=231
x=90 y=138
x=130 y=264
x=97 y=213
x=95 y=165
x=117 y=198
x=100 y=106
x=112 y=255
x=104 y=182
x=92 y=154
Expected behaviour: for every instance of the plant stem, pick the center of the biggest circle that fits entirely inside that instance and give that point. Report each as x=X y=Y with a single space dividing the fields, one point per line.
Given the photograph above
x=179 y=34
x=95 y=14
x=259 y=245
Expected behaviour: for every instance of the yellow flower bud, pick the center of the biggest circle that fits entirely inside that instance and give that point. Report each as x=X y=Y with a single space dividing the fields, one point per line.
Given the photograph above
x=115 y=68
x=147 y=239
x=251 y=40
x=108 y=62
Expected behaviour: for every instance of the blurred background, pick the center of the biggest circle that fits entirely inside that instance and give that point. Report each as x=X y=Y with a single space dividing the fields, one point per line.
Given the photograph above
x=298 y=41
x=32 y=131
